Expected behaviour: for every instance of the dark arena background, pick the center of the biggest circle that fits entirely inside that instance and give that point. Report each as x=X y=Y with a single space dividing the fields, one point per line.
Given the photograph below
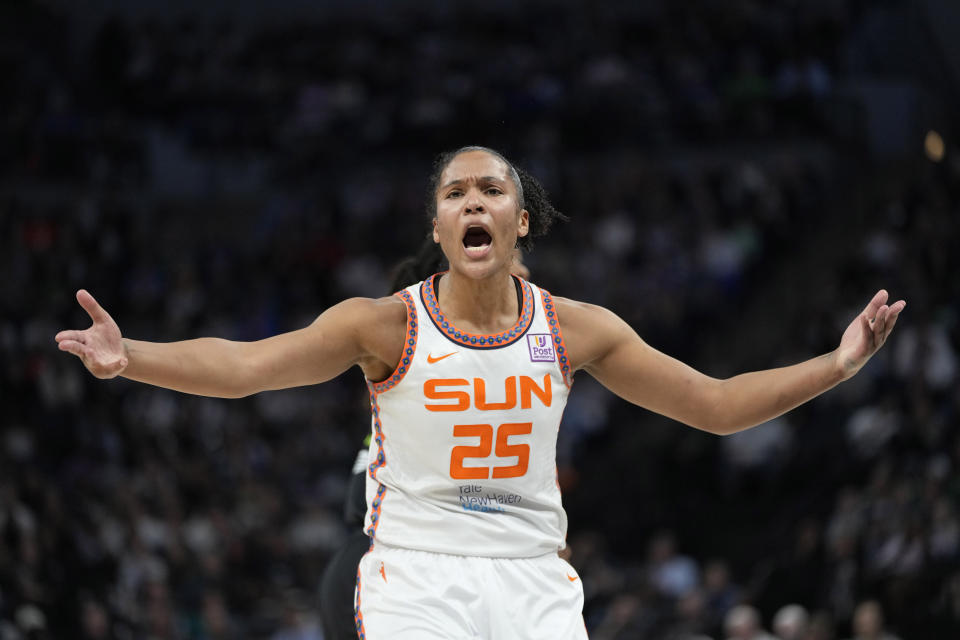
x=741 y=176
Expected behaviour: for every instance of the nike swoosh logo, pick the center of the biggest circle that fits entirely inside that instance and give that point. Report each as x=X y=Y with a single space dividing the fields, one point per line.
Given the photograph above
x=572 y=578
x=431 y=359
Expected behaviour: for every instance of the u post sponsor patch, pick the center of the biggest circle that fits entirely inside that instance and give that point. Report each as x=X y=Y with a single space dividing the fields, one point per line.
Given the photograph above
x=541 y=347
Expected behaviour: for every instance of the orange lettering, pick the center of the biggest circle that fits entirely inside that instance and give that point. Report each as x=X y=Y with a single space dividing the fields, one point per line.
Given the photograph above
x=431 y=392
x=528 y=387
x=509 y=390
x=482 y=450
x=437 y=390
x=506 y=450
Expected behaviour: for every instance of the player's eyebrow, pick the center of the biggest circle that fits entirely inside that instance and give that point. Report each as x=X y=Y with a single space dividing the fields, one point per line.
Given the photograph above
x=480 y=179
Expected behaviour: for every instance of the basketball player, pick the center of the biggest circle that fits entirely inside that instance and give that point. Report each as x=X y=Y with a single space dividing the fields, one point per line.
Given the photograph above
x=468 y=374
x=337 y=585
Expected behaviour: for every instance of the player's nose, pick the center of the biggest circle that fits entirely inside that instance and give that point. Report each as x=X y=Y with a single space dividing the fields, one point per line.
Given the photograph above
x=472 y=203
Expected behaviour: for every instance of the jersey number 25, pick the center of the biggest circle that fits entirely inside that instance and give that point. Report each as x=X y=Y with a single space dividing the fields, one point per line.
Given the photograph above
x=503 y=450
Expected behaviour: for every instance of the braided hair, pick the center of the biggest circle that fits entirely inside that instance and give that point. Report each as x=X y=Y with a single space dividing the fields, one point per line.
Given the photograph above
x=530 y=194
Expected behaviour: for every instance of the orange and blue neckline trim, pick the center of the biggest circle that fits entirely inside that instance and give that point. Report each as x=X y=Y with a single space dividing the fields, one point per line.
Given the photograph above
x=476 y=341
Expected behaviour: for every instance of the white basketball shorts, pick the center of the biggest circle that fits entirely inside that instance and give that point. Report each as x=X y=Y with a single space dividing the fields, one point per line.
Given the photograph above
x=404 y=594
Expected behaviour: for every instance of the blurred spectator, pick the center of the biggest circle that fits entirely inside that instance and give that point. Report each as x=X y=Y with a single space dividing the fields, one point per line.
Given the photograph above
x=758 y=455
x=298 y=623
x=628 y=616
x=926 y=350
x=743 y=623
x=820 y=627
x=671 y=574
x=791 y=623
x=868 y=622
x=719 y=592
x=871 y=427
x=798 y=576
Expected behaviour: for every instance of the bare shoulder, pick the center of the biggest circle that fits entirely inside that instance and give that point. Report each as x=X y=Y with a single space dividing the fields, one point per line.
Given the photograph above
x=578 y=315
x=378 y=325
x=366 y=313
x=589 y=330
x=377 y=311
x=575 y=310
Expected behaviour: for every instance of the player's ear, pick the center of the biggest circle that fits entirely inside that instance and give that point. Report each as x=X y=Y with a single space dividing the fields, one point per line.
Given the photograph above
x=436 y=233
x=523 y=224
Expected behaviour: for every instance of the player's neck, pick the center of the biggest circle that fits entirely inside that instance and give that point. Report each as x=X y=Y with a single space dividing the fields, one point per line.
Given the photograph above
x=484 y=306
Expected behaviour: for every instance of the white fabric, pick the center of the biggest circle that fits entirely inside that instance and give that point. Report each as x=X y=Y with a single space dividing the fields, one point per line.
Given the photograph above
x=414 y=498
x=403 y=594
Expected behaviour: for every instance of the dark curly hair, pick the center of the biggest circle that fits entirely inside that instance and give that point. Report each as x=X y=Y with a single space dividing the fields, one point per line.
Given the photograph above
x=530 y=194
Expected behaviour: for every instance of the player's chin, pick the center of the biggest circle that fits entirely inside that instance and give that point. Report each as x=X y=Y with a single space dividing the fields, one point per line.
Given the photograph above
x=479 y=268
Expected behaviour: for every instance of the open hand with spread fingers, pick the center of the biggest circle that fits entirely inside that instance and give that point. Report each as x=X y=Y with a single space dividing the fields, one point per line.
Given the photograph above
x=867 y=333
x=101 y=346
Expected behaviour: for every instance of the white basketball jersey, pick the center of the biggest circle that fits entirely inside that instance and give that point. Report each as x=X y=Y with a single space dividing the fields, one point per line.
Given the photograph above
x=463 y=458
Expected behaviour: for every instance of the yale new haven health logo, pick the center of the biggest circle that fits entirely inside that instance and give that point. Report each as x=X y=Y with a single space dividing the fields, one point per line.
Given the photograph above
x=541 y=347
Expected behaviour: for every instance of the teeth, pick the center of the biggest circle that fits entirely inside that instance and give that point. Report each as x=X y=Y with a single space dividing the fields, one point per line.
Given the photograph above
x=477 y=250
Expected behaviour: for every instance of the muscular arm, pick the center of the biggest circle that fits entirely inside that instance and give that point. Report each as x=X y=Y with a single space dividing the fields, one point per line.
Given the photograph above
x=357 y=331
x=606 y=347
x=228 y=369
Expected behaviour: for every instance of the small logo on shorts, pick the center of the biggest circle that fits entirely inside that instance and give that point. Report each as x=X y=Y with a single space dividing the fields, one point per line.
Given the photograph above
x=541 y=347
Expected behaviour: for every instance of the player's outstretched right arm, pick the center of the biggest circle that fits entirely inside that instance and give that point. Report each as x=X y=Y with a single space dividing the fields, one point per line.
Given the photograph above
x=335 y=341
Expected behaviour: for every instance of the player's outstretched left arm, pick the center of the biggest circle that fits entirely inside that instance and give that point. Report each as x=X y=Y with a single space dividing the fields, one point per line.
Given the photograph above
x=606 y=347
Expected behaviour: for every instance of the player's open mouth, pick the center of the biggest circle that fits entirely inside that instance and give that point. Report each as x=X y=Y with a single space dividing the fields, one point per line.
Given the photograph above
x=477 y=241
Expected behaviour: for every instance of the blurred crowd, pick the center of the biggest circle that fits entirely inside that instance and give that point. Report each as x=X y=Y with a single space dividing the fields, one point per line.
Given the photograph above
x=848 y=502
x=211 y=177
x=297 y=95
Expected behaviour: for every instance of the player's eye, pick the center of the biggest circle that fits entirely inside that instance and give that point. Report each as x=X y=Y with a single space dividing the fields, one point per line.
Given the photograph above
x=494 y=191
x=456 y=193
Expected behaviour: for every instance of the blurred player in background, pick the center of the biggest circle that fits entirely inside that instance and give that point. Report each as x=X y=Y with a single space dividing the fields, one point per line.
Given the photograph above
x=468 y=373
